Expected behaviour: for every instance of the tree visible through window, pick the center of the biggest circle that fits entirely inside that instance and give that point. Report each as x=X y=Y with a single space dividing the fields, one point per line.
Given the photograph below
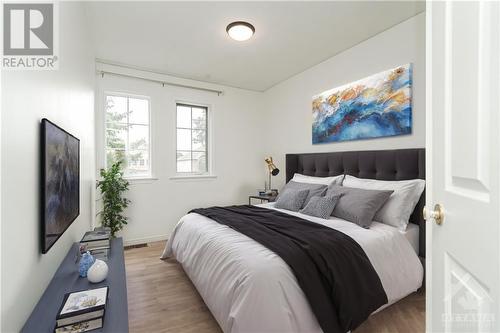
x=192 y=146
x=127 y=133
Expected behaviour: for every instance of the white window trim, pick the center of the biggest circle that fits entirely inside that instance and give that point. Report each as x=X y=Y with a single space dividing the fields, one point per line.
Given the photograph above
x=132 y=179
x=194 y=177
x=141 y=180
x=210 y=147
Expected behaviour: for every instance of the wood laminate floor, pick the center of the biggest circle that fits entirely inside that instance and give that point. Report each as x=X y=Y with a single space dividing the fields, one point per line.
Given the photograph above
x=161 y=298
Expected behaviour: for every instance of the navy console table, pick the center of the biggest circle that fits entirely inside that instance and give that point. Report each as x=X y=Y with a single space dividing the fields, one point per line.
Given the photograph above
x=66 y=279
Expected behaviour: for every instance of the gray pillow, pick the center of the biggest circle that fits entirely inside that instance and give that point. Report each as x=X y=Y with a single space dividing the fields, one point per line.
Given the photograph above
x=291 y=199
x=315 y=190
x=358 y=205
x=321 y=206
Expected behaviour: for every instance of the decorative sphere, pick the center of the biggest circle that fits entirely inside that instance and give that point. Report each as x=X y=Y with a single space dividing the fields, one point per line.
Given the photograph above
x=97 y=272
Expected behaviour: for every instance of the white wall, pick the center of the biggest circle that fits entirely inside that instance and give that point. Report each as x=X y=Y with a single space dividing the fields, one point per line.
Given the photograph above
x=66 y=97
x=237 y=141
x=288 y=104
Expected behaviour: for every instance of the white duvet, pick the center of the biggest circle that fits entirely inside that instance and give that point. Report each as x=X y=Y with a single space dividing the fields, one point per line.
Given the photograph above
x=248 y=288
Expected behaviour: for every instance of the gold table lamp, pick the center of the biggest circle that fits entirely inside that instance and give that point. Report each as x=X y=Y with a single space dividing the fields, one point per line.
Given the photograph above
x=273 y=170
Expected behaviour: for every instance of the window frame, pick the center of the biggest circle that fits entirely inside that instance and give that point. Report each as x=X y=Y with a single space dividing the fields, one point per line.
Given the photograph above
x=128 y=95
x=208 y=145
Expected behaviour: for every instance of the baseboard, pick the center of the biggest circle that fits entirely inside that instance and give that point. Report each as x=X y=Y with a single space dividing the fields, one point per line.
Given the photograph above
x=145 y=240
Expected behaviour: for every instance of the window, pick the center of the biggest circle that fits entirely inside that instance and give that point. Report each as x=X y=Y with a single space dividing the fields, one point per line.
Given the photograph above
x=192 y=148
x=128 y=133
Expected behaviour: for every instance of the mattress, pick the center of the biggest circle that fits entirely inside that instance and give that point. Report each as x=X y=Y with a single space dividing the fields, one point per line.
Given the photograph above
x=241 y=280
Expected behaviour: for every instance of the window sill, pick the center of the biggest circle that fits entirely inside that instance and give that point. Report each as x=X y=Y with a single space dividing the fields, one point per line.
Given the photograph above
x=193 y=177
x=141 y=180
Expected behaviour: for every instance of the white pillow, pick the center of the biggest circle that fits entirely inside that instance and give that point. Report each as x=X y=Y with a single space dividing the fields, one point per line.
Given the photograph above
x=299 y=178
x=397 y=210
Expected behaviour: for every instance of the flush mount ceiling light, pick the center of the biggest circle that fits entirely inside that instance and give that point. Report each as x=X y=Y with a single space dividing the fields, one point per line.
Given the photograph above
x=240 y=30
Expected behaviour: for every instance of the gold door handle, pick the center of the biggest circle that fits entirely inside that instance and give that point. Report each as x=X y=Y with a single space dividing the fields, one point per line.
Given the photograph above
x=437 y=214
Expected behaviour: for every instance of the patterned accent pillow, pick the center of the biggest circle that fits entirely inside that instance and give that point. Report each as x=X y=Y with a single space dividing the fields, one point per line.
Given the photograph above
x=314 y=189
x=358 y=205
x=321 y=207
x=398 y=209
x=292 y=199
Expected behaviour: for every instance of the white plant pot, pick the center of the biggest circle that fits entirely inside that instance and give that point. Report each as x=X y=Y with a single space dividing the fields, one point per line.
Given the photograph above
x=97 y=272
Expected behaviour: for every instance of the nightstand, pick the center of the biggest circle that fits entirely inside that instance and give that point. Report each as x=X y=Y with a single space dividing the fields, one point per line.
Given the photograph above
x=262 y=198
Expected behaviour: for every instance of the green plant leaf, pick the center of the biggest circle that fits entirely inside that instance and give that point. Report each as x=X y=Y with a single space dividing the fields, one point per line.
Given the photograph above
x=113 y=187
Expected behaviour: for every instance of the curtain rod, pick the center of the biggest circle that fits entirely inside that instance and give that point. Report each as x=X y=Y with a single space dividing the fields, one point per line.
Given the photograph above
x=163 y=83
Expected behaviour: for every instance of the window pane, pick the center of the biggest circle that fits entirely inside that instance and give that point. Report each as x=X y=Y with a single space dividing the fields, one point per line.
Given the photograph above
x=199 y=140
x=192 y=139
x=183 y=116
x=138 y=111
x=116 y=138
x=113 y=156
x=183 y=161
x=183 y=139
x=129 y=143
x=116 y=109
x=199 y=118
x=138 y=162
x=117 y=126
x=138 y=137
x=199 y=163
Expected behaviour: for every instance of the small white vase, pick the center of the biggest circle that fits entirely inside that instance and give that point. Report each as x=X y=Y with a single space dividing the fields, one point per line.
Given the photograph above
x=97 y=272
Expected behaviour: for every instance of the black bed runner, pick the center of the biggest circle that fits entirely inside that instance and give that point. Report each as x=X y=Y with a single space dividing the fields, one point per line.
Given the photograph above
x=339 y=281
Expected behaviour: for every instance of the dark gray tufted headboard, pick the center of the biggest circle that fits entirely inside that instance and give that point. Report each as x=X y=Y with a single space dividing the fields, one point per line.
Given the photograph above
x=399 y=164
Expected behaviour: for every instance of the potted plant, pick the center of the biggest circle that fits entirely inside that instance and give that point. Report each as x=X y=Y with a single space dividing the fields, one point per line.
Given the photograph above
x=113 y=186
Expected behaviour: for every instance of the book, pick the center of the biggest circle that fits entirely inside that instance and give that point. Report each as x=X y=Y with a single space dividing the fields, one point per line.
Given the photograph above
x=80 y=318
x=80 y=327
x=97 y=248
x=100 y=250
x=96 y=244
x=86 y=304
x=96 y=235
x=102 y=254
x=96 y=239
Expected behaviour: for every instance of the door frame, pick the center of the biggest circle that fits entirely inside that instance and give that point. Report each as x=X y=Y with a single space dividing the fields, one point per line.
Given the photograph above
x=428 y=164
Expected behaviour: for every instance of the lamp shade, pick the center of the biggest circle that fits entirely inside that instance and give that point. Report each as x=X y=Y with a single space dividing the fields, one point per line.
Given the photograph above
x=273 y=170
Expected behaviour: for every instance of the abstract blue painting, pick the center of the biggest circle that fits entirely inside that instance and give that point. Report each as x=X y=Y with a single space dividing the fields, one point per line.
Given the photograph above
x=377 y=106
x=61 y=180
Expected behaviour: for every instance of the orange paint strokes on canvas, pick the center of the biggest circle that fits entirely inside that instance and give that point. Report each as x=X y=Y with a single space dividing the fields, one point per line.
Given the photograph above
x=351 y=93
x=316 y=104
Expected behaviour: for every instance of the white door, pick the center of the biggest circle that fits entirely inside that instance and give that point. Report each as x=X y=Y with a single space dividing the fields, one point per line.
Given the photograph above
x=463 y=148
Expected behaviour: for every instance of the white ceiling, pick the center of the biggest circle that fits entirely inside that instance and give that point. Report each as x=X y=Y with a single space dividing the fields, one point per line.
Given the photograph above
x=189 y=39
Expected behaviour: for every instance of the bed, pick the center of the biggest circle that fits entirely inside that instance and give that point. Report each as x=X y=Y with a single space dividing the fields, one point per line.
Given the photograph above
x=249 y=288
